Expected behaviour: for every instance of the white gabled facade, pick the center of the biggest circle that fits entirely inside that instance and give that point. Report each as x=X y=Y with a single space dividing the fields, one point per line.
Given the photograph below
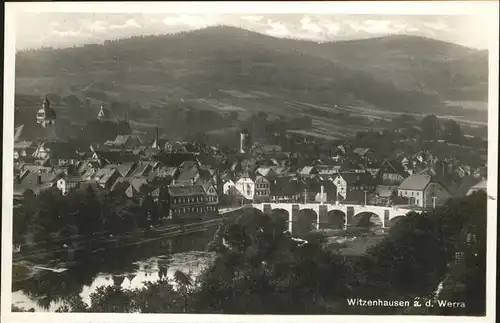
x=246 y=186
x=341 y=185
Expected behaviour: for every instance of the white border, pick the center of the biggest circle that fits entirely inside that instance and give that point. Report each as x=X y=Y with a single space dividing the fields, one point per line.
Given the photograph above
x=488 y=8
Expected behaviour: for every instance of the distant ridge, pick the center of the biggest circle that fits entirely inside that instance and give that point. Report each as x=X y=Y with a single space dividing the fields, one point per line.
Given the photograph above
x=397 y=72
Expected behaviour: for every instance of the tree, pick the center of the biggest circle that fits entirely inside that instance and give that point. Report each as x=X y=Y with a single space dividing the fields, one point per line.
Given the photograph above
x=452 y=132
x=431 y=127
x=113 y=299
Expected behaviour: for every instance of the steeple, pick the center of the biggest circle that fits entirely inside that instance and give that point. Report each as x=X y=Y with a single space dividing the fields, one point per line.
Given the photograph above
x=46 y=115
x=103 y=113
x=156 y=143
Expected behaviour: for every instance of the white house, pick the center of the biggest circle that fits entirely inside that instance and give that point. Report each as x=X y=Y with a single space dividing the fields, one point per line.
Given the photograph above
x=341 y=185
x=67 y=183
x=423 y=191
x=246 y=186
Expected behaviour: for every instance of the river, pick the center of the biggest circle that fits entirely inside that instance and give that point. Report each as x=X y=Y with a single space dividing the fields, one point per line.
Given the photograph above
x=47 y=290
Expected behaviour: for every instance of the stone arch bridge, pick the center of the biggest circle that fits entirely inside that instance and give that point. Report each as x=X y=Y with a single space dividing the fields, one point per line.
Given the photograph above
x=340 y=216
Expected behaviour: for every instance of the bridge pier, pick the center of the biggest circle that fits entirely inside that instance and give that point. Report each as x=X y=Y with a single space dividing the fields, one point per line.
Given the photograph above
x=349 y=217
x=385 y=219
x=322 y=215
x=294 y=216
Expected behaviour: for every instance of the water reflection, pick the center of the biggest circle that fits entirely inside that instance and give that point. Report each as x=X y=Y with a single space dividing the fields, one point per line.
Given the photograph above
x=130 y=269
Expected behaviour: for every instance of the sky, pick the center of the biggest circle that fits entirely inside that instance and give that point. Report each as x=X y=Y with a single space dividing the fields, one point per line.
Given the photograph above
x=62 y=29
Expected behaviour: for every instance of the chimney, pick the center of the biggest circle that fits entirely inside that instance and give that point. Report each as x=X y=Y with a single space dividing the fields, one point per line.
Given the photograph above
x=192 y=181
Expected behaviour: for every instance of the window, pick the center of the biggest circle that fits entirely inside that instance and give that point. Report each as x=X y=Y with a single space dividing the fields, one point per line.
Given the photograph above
x=412 y=193
x=416 y=201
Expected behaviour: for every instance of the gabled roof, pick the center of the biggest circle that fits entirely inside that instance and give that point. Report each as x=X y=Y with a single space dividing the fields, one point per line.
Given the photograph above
x=265 y=171
x=361 y=151
x=23 y=144
x=482 y=185
x=139 y=184
x=246 y=175
x=415 y=182
x=30 y=182
x=102 y=176
x=284 y=187
x=60 y=149
x=354 y=178
x=186 y=190
x=397 y=168
x=142 y=169
x=188 y=174
x=125 y=169
x=307 y=170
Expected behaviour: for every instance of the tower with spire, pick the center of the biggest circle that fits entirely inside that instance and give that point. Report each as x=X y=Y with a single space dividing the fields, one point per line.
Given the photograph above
x=103 y=113
x=156 y=143
x=46 y=117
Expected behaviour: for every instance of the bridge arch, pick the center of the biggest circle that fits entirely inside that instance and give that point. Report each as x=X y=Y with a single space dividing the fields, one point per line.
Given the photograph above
x=280 y=215
x=334 y=219
x=306 y=221
x=367 y=219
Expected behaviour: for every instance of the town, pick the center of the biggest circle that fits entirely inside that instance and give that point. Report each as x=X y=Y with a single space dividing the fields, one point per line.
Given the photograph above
x=187 y=180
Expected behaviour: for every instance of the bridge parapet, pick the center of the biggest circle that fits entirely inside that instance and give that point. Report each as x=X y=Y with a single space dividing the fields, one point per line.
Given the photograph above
x=384 y=213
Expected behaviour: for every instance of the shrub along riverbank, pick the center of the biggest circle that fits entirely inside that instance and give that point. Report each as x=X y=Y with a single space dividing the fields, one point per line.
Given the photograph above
x=259 y=269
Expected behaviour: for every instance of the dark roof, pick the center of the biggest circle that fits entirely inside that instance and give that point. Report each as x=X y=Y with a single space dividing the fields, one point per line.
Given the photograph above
x=116 y=156
x=187 y=174
x=186 y=190
x=126 y=168
x=59 y=149
x=30 y=182
x=174 y=159
x=415 y=182
x=393 y=166
x=357 y=178
x=284 y=187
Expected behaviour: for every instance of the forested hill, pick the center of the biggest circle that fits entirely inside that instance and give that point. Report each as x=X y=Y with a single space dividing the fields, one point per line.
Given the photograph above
x=401 y=73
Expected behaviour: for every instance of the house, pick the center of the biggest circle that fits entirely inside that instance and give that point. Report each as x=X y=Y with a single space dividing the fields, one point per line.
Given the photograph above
x=58 y=153
x=23 y=149
x=391 y=173
x=267 y=149
x=267 y=172
x=106 y=178
x=66 y=183
x=246 y=186
x=188 y=174
x=211 y=198
x=137 y=187
x=127 y=141
x=308 y=171
x=284 y=190
x=187 y=201
x=328 y=170
x=262 y=189
x=34 y=182
x=479 y=187
x=423 y=191
x=353 y=182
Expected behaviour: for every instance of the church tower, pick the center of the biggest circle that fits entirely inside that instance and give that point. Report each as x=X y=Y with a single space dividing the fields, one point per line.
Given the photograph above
x=46 y=117
x=103 y=114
